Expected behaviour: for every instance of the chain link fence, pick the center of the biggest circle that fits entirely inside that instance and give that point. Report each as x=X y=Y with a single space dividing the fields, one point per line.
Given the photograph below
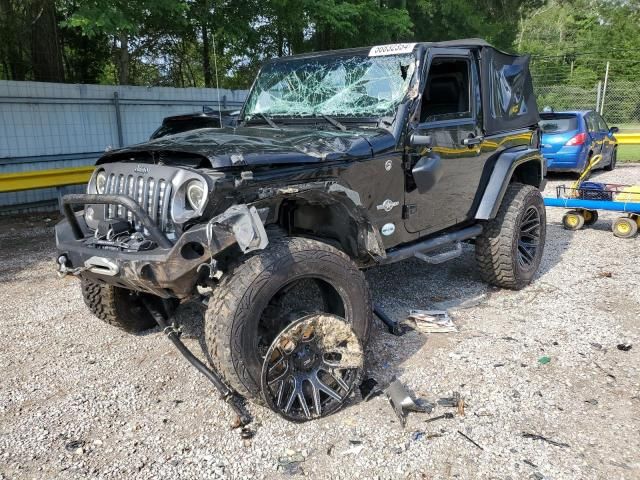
x=610 y=87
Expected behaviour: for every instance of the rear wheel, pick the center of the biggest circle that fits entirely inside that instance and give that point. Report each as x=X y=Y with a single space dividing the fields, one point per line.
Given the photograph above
x=590 y=217
x=117 y=306
x=510 y=248
x=290 y=279
x=614 y=160
x=625 y=227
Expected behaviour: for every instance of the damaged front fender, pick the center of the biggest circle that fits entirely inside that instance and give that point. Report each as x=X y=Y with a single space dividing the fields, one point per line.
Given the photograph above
x=326 y=210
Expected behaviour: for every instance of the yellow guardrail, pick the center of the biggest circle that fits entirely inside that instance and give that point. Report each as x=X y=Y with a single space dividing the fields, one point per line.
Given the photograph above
x=628 y=138
x=59 y=177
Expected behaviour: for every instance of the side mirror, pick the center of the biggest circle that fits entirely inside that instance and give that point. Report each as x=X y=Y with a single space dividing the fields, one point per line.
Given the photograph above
x=420 y=140
x=613 y=130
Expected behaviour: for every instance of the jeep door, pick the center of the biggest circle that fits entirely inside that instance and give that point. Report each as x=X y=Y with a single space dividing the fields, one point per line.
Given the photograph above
x=445 y=161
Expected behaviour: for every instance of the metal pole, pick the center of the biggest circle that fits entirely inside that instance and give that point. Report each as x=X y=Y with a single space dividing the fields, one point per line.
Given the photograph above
x=604 y=89
x=116 y=103
x=598 y=95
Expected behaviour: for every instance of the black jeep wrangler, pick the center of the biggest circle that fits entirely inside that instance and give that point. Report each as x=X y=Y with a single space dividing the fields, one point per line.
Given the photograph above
x=340 y=161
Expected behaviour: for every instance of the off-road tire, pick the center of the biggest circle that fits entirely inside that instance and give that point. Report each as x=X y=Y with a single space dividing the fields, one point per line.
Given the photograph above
x=237 y=304
x=116 y=306
x=497 y=246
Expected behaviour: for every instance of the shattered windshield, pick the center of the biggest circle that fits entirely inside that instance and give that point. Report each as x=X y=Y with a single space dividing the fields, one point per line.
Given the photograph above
x=337 y=86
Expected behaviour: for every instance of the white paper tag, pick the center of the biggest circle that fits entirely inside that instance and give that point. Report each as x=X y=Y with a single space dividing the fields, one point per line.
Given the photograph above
x=391 y=49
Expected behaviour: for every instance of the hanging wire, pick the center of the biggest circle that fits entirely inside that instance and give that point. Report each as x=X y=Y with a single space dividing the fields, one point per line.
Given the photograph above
x=215 y=67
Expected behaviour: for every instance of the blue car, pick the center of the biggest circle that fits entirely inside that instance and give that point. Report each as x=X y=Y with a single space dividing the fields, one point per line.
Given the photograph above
x=570 y=139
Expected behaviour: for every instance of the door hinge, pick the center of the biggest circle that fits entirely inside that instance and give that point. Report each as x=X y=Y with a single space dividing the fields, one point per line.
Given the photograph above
x=408 y=210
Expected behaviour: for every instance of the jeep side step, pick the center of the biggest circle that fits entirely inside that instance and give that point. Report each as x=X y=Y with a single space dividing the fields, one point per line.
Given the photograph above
x=421 y=248
x=441 y=257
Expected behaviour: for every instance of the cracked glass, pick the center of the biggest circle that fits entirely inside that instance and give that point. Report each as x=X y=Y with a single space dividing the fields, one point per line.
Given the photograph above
x=337 y=86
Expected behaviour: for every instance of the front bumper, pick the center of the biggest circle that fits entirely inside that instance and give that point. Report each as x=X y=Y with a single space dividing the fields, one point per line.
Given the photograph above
x=169 y=269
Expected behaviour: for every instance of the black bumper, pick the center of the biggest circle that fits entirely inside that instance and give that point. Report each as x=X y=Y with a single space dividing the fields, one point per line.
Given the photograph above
x=168 y=270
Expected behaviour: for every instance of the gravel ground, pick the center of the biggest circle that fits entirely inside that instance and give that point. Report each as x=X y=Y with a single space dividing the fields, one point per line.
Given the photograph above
x=79 y=399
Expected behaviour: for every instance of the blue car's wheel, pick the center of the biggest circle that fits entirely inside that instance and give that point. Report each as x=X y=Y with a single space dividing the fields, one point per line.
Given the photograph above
x=614 y=160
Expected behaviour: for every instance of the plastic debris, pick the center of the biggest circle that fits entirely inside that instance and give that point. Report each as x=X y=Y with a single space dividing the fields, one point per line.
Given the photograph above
x=402 y=402
x=74 y=445
x=369 y=389
x=625 y=347
x=290 y=462
x=544 y=360
x=431 y=321
x=453 y=401
x=417 y=435
x=470 y=440
x=355 y=450
x=447 y=415
x=535 y=436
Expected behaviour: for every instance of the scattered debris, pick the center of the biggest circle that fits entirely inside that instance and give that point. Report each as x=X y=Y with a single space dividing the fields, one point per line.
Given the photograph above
x=597 y=346
x=247 y=433
x=620 y=465
x=544 y=360
x=530 y=463
x=447 y=415
x=74 y=445
x=236 y=423
x=535 y=436
x=402 y=402
x=469 y=439
x=610 y=375
x=625 y=347
x=455 y=304
x=431 y=321
x=417 y=435
x=453 y=401
x=290 y=462
x=369 y=389
x=355 y=450
x=591 y=401
x=605 y=274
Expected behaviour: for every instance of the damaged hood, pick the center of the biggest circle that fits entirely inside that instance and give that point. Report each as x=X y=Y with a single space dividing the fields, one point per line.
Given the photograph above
x=228 y=147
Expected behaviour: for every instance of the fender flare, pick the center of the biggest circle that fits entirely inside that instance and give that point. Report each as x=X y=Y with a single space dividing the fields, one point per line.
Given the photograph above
x=503 y=171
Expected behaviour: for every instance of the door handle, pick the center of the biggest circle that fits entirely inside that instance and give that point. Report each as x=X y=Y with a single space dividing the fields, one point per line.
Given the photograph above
x=472 y=141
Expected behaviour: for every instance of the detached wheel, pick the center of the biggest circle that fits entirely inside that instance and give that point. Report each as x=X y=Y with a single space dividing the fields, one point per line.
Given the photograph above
x=510 y=248
x=573 y=220
x=590 y=217
x=118 y=307
x=292 y=278
x=625 y=227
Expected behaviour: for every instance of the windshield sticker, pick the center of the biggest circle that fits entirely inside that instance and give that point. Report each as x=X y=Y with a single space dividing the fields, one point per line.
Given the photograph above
x=391 y=49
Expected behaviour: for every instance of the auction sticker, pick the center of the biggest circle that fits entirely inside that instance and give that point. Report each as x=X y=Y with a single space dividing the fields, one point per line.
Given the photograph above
x=391 y=49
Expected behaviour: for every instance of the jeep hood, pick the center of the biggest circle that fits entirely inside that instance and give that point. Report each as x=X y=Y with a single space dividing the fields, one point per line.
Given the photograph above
x=228 y=147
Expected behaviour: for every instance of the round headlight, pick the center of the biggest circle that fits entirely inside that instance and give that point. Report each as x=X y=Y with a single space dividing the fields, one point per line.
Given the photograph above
x=101 y=182
x=195 y=194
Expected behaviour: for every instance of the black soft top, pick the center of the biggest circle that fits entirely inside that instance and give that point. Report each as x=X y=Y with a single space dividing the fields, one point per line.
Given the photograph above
x=508 y=99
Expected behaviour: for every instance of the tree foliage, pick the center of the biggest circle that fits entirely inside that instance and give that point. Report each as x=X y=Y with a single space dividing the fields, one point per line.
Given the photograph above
x=184 y=42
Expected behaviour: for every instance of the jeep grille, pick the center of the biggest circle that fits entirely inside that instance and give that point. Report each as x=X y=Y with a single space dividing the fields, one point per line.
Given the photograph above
x=152 y=194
